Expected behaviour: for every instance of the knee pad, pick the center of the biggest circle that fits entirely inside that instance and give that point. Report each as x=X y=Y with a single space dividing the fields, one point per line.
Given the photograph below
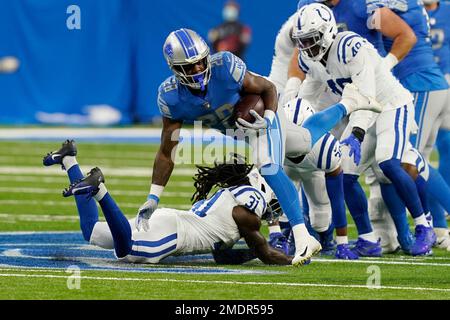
x=101 y=236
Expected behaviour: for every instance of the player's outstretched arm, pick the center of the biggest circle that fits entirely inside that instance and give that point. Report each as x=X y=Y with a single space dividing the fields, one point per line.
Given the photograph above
x=249 y=225
x=162 y=169
x=163 y=165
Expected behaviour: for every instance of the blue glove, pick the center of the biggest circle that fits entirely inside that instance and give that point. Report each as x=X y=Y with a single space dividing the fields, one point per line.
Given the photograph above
x=355 y=147
x=278 y=241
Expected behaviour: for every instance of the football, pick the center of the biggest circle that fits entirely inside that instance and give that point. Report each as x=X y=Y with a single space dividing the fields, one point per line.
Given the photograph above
x=247 y=103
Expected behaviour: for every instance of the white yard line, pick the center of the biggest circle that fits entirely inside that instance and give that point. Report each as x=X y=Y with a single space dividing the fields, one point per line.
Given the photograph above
x=108 y=171
x=123 y=182
x=233 y=283
x=71 y=204
x=117 y=192
x=387 y=261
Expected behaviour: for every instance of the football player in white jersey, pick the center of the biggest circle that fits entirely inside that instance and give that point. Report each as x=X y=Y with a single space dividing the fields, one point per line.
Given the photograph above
x=337 y=59
x=215 y=222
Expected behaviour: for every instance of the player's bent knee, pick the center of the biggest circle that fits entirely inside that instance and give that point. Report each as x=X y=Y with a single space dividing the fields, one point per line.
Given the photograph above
x=101 y=236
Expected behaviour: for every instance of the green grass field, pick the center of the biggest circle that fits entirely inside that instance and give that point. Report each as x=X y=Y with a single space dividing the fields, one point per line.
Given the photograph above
x=31 y=201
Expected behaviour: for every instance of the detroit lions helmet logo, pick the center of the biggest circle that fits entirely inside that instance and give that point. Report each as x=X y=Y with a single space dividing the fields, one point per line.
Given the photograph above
x=168 y=50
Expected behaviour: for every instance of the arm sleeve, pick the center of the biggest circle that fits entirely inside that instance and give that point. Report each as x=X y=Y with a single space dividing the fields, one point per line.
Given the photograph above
x=251 y=198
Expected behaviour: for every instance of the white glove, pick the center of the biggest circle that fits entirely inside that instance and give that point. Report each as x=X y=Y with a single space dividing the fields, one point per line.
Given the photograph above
x=354 y=100
x=146 y=211
x=260 y=122
x=290 y=90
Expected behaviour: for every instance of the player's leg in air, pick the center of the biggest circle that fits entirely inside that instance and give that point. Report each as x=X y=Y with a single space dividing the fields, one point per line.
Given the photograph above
x=299 y=142
x=116 y=233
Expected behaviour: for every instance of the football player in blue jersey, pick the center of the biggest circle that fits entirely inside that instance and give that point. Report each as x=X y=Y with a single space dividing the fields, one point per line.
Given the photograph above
x=420 y=74
x=206 y=88
x=439 y=13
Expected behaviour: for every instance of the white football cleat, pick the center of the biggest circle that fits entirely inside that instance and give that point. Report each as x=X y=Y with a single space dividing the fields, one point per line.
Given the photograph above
x=443 y=238
x=353 y=100
x=306 y=251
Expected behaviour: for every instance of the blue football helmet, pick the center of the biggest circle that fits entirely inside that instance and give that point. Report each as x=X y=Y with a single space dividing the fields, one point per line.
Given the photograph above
x=183 y=49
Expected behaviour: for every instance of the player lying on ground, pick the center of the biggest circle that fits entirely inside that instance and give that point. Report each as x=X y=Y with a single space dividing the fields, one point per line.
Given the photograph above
x=213 y=223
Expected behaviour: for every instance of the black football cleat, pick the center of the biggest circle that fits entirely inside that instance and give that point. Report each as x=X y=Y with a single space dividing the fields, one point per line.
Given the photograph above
x=88 y=185
x=55 y=157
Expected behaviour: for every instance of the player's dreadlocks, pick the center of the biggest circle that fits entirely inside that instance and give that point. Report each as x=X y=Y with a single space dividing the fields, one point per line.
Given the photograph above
x=222 y=175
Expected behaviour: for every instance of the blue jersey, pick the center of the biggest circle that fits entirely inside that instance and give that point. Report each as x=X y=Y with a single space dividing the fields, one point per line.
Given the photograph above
x=215 y=109
x=352 y=15
x=440 y=35
x=417 y=71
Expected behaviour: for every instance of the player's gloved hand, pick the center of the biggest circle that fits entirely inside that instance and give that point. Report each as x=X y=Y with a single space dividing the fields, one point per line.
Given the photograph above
x=355 y=147
x=278 y=241
x=260 y=122
x=146 y=211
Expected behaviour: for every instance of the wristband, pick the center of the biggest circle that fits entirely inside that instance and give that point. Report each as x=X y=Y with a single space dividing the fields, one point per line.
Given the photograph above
x=359 y=133
x=391 y=60
x=269 y=115
x=155 y=192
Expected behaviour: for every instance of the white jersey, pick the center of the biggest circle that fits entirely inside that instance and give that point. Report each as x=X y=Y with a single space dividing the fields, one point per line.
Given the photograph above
x=284 y=48
x=209 y=224
x=352 y=59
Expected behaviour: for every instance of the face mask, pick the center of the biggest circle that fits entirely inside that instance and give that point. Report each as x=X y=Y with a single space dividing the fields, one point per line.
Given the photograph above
x=230 y=13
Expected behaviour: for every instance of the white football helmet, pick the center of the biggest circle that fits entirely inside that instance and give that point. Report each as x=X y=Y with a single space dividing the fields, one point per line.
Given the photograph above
x=298 y=110
x=258 y=182
x=314 y=30
x=182 y=50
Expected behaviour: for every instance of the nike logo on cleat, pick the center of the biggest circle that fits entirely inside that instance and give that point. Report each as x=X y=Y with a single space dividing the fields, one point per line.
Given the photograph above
x=80 y=189
x=304 y=252
x=55 y=155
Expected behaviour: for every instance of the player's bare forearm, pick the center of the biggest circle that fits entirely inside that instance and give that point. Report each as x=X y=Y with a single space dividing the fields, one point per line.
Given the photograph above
x=264 y=251
x=163 y=165
x=394 y=27
x=294 y=70
x=256 y=84
x=249 y=225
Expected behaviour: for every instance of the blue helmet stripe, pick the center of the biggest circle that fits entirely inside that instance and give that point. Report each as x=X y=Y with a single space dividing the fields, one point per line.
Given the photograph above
x=191 y=42
x=186 y=43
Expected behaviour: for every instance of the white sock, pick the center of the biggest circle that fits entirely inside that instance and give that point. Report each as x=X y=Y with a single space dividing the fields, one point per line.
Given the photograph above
x=101 y=192
x=69 y=162
x=301 y=235
x=368 y=237
x=274 y=229
x=341 y=240
x=422 y=220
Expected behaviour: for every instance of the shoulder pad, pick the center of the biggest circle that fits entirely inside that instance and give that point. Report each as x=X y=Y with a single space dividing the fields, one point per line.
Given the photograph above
x=167 y=96
x=231 y=64
x=348 y=47
x=249 y=197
